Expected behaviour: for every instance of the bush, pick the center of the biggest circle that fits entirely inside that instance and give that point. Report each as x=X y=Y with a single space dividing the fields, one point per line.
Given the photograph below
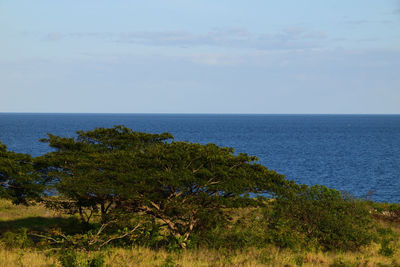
x=244 y=227
x=386 y=248
x=330 y=219
x=169 y=262
x=386 y=238
x=17 y=239
x=68 y=258
x=151 y=235
x=96 y=261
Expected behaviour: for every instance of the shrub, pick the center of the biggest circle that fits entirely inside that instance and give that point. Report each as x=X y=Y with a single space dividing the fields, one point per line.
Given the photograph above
x=386 y=238
x=299 y=260
x=17 y=239
x=96 y=261
x=234 y=229
x=386 y=248
x=150 y=236
x=331 y=219
x=68 y=258
x=169 y=262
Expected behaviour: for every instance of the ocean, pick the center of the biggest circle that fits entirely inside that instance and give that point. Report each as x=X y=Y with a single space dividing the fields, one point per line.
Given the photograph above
x=359 y=154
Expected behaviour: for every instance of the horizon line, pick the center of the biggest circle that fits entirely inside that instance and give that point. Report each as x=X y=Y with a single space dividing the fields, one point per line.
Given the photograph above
x=188 y=113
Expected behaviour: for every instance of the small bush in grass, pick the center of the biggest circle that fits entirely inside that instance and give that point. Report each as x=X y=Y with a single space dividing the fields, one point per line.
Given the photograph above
x=19 y=239
x=97 y=260
x=386 y=239
x=265 y=258
x=385 y=232
x=151 y=236
x=246 y=229
x=299 y=260
x=339 y=262
x=169 y=262
x=334 y=221
x=68 y=258
x=386 y=248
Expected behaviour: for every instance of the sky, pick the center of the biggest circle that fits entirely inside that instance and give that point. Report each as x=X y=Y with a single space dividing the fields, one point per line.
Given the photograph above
x=200 y=56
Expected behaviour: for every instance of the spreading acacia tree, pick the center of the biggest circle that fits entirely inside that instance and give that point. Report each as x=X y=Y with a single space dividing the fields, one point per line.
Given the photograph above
x=188 y=183
x=84 y=171
x=18 y=179
x=114 y=172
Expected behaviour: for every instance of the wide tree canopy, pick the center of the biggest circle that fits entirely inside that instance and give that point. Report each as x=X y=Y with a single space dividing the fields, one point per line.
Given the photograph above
x=184 y=183
x=115 y=171
x=85 y=171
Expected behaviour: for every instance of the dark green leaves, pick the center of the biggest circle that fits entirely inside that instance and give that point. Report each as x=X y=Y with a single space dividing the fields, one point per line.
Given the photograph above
x=119 y=170
x=18 y=179
x=326 y=216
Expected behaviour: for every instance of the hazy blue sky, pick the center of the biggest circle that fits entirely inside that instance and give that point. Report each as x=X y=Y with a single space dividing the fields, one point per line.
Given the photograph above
x=203 y=56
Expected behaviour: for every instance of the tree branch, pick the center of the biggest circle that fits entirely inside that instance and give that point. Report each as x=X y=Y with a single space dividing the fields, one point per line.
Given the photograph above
x=119 y=237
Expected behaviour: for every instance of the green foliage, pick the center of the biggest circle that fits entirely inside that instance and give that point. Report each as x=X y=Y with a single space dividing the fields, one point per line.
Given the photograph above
x=68 y=258
x=169 y=262
x=299 y=260
x=17 y=239
x=386 y=239
x=390 y=207
x=132 y=188
x=151 y=235
x=339 y=262
x=189 y=183
x=322 y=215
x=93 y=172
x=386 y=248
x=96 y=261
x=386 y=232
x=116 y=171
x=246 y=228
x=265 y=258
x=386 y=211
x=18 y=179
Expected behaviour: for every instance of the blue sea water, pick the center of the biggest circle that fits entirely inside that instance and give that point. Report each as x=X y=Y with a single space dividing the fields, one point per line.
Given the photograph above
x=355 y=153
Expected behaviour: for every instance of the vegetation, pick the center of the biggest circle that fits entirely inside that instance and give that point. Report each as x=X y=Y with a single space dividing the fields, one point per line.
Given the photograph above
x=115 y=172
x=323 y=217
x=118 y=193
x=35 y=218
x=18 y=179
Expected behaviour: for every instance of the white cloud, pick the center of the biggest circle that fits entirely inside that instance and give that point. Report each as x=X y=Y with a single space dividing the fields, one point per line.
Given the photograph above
x=215 y=59
x=288 y=38
x=54 y=36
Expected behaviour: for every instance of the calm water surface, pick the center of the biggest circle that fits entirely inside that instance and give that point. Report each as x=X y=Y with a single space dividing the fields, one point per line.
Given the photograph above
x=356 y=153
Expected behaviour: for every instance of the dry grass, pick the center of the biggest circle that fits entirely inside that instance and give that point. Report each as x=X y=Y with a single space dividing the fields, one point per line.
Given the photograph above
x=139 y=256
x=252 y=257
x=8 y=211
x=26 y=258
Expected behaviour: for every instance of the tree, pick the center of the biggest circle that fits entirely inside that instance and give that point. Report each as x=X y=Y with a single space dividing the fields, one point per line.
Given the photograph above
x=118 y=171
x=18 y=179
x=84 y=172
x=183 y=184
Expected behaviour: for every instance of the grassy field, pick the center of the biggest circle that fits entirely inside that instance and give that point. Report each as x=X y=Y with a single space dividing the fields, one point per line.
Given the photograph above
x=14 y=217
